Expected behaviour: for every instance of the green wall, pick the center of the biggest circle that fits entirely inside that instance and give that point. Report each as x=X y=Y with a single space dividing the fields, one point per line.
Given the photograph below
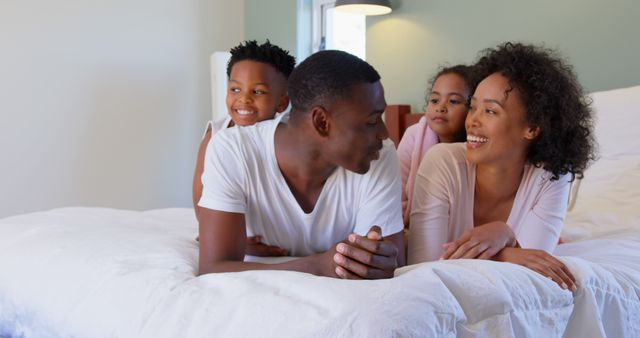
x=276 y=20
x=600 y=38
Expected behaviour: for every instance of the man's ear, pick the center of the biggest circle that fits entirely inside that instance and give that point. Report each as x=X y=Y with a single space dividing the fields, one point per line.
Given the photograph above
x=283 y=103
x=321 y=120
x=532 y=132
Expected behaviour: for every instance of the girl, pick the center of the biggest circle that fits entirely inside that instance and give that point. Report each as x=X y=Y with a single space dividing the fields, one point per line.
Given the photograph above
x=443 y=121
x=503 y=194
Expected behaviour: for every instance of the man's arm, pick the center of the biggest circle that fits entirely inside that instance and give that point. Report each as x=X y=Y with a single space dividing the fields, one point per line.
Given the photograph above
x=222 y=248
x=254 y=246
x=398 y=240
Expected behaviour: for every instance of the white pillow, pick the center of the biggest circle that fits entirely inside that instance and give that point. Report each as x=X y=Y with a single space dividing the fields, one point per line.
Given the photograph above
x=617 y=112
x=608 y=197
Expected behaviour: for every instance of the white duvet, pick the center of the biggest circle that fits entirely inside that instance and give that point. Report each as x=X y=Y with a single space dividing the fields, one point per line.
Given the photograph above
x=90 y=272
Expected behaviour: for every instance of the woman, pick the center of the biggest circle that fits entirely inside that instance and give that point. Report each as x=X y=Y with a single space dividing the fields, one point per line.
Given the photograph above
x=503 y=194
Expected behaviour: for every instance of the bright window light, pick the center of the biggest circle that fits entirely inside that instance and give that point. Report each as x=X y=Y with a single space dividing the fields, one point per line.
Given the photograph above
x=347 y=32
x=335 y=29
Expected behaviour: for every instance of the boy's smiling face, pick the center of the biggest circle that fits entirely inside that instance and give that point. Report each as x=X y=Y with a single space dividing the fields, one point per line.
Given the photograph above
x=256 y=92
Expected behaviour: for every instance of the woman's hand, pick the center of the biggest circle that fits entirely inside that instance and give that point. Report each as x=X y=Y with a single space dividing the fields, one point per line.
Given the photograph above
x=482 y=242
x=255 y=247
x=541 y=262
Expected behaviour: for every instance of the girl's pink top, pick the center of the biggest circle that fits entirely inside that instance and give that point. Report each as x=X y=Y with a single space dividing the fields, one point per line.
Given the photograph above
x=415 y=142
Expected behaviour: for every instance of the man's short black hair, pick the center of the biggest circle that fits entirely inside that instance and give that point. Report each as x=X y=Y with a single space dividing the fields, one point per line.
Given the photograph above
x=326 y=76
x=267 y=53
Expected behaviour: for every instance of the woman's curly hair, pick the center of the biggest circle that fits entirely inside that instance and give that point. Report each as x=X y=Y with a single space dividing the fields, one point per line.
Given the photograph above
x=553 y=100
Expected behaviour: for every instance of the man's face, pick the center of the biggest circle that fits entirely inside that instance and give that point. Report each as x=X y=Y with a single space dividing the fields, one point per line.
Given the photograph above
x=357 y=129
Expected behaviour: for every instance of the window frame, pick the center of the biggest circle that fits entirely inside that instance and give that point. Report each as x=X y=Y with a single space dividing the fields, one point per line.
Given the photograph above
x=319 y=23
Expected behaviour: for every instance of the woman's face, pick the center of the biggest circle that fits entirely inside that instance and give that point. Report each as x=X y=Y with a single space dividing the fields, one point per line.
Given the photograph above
x=497 y=132
x=447 y=107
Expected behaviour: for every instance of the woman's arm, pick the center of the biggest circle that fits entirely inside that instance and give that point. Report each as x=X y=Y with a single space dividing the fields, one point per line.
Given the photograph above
x=543 y=207
x=431 y=207
x=542 y=223
x=541 y=262
x=482 y=242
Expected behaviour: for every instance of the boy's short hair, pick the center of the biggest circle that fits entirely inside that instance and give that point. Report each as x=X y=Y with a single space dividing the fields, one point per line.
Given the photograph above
x=327 y=75
x=267 y=53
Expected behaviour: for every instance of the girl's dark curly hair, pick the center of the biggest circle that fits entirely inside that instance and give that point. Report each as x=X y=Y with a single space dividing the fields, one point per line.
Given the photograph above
x=553 y=100
x=267 y=53
x=467 y=73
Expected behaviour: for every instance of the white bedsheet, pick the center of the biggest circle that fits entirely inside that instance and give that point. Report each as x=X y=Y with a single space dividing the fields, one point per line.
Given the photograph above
x=91 y=272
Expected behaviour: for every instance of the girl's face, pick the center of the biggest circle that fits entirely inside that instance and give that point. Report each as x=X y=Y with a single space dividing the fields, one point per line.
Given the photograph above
x=447 y=107
x=497 y=131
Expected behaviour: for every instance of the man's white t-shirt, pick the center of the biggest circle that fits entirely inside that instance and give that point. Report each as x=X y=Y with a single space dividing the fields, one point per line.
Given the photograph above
x=241 y=175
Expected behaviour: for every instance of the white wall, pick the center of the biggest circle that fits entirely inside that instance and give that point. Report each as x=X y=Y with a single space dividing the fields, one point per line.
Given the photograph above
x=102 y=103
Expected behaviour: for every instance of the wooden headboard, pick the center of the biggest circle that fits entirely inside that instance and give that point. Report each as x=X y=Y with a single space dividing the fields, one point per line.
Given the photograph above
x=398 y=117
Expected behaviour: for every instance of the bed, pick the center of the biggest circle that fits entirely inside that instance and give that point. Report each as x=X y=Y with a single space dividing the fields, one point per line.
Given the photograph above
x=398 y=117
x=95 y=272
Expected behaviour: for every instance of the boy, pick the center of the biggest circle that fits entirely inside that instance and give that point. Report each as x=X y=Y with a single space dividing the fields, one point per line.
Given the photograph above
x=318 y=181
x=257 y=90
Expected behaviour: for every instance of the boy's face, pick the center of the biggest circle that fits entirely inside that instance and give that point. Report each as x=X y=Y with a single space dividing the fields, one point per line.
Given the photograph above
x=256 y=92
x=358 y=129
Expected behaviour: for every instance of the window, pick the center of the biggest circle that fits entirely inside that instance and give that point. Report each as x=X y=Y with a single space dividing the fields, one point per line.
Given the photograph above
x=333 y=29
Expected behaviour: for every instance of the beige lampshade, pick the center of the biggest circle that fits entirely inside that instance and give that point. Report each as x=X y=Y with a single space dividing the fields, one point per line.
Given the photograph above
x=366 y=7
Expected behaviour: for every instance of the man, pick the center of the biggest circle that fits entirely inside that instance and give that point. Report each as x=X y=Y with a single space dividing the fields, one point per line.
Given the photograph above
x=319 y=181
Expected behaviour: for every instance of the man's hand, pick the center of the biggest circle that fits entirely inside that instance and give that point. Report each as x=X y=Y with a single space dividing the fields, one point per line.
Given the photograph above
x=370 y=257
x=255 y=247
x=482 y=242
x=541 y=262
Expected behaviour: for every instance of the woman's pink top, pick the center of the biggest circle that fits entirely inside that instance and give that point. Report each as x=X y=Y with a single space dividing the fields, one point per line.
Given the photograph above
x=415 y=142
x=442 y=209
